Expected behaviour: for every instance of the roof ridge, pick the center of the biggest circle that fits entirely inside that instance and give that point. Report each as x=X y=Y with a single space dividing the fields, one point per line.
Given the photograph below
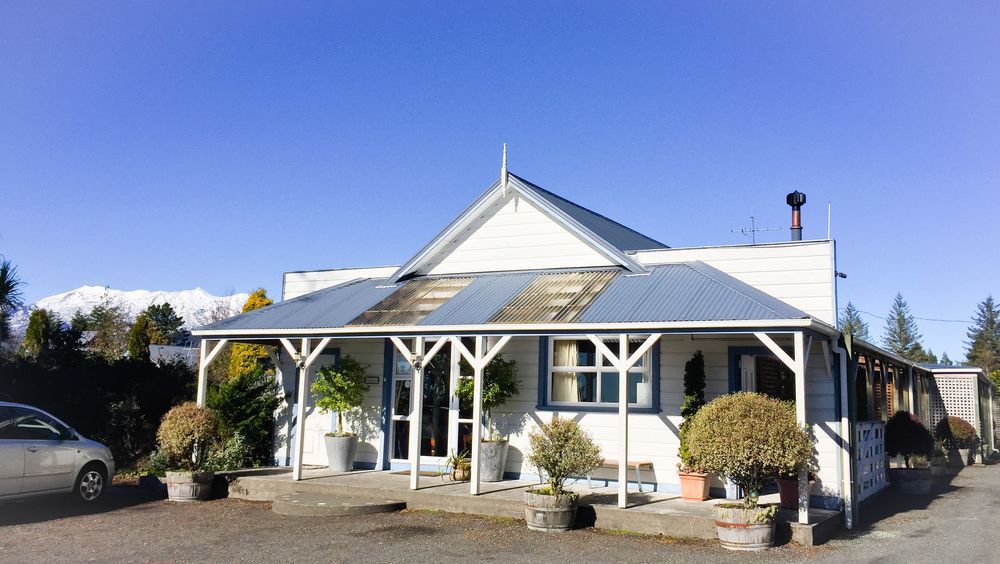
x=702 y=268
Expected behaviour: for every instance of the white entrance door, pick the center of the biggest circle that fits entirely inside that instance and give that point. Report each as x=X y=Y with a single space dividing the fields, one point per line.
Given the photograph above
x=748 y=373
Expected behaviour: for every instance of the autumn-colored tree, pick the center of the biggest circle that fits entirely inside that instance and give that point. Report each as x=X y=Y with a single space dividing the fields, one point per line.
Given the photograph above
x=243 y=358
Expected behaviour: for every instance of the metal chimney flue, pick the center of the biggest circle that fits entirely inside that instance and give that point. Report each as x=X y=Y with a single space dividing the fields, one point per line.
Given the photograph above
x=796 y=199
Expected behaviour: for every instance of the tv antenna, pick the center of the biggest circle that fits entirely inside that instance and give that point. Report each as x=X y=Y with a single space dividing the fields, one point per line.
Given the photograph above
x=752 y=231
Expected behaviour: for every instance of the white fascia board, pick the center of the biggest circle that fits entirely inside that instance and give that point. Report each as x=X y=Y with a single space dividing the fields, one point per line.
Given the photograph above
x=772 y=325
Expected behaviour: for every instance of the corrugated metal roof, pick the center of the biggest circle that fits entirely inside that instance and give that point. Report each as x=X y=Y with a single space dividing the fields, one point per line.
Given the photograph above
x=479 y=301
x=684 y=292
x=616 y=234
x=556 y=297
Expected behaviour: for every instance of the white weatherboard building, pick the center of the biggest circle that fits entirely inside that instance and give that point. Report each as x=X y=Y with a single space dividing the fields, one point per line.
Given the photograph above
x=600 y=319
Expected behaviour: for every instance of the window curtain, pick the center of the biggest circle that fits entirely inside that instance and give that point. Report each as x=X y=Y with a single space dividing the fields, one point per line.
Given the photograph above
x=564 y=386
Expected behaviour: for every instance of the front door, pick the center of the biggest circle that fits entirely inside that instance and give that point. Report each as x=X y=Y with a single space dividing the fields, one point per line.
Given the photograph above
x=445 y=422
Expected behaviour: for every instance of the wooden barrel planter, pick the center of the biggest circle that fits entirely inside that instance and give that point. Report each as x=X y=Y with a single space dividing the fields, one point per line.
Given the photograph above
x=740 y=528
x=549 y=513
x=189 y=486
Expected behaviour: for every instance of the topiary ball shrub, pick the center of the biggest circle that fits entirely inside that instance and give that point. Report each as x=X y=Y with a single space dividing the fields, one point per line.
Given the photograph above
x=956 y=432
x=905 y=435
x=749 y=438
x=560 y=449
x=186 y=435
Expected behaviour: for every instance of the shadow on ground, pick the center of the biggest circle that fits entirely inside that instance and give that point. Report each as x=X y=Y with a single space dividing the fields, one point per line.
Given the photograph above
x=52 y=507
x=891 y=503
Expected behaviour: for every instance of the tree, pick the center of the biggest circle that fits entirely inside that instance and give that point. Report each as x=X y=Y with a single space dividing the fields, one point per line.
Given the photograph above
x=43 y=328
x=166 y=327
x=852 y=324
x=111 y=329
x=945 y=360
x=901 y=334
x=244 y=358
x=929 y=357
x=139 y=338
x=10 y=296
x=984 y=336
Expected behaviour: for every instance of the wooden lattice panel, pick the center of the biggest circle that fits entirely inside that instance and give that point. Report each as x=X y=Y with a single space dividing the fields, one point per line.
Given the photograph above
x=956 y=397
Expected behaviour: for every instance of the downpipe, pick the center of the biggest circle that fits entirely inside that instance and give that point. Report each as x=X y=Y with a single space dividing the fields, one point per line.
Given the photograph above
x=847 y=475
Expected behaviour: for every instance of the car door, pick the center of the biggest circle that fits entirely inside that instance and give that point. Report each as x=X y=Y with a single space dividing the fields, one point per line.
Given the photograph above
x=11 y=456
x=49 y=461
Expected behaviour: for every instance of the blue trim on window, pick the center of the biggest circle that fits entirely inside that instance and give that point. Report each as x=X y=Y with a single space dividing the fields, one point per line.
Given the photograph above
x=388 y=361
x=735 y=381
x=543 y=386
x=543 y=368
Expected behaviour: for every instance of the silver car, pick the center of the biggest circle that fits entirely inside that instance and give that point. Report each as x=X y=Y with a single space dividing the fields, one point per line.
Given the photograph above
x=39 y=454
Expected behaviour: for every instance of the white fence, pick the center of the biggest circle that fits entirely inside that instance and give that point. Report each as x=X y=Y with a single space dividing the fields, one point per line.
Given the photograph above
x=870 y=458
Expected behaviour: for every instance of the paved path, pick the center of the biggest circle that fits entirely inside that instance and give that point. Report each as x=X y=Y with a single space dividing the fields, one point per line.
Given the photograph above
x=955 y=527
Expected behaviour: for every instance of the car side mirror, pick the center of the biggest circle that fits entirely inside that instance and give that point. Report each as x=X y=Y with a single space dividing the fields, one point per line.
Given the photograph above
x=67 y=435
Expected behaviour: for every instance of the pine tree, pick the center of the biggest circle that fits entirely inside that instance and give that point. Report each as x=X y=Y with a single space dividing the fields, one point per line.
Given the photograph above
x=111 y=329
x=901 y=334
x=166 y=327
x=852 y=324
x=43 y=327
x=930 y=357
x=945 y=360
x=139 y=338
x=244 y=359
x=984 y=336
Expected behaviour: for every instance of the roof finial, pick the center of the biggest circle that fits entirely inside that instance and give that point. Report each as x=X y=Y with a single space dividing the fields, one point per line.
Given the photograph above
x=503 y=172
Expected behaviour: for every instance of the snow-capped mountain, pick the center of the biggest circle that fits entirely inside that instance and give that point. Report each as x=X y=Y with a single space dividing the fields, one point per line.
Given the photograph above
x=197 y=306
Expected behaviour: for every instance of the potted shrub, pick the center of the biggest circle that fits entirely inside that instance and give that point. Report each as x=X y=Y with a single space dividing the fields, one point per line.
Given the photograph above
x=500 y=383
x=906 y=436
x=749 y=438
x=340 y=388
x=959 y=438
x=186 y=436
x=694 y=480
x=788 y=488
x=461 y=466
x=559 y=449
x=939 y=460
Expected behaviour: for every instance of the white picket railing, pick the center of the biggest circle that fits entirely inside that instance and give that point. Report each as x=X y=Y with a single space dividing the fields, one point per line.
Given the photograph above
x=870 y=458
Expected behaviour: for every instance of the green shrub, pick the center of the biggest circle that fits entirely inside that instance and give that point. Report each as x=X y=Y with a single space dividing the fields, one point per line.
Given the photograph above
x=340 y=388
x=956 y=432
x=749 y=438
x=187 y=434
x=500 y=383
x=694 y=399
x=560 y=449
x=245 y=406
x=157 y=463
x=905 y=435
x=231 y=455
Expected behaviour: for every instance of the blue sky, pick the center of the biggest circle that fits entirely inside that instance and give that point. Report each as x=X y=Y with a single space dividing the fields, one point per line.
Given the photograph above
x=180 y=145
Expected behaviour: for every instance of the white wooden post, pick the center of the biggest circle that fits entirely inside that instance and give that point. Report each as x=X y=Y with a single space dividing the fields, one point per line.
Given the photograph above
x=478 y=361
x=416 y=409
x=800 y=417
x=623 y=421
x=208 y=354
x=300 y=411
x=909 y=379
x=477 y=413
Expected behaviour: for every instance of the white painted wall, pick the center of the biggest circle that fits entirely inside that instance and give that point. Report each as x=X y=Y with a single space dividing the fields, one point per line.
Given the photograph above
x=800 y=273
x=297 y=283
x=512 y=235
x=653 y=437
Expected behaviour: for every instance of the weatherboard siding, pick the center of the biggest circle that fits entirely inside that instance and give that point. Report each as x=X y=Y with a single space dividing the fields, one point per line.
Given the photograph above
x=801 y=273
x=513 y=235
x=296 y=284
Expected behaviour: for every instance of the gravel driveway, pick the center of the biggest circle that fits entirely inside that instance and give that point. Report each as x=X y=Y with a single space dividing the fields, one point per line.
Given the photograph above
x=132 y=527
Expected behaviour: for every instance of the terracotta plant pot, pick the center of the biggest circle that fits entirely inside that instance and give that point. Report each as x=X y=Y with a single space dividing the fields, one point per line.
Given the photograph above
x=694 y=486
x=744 y=529
x=549 y=513
x=189 y=486
x=788 y=491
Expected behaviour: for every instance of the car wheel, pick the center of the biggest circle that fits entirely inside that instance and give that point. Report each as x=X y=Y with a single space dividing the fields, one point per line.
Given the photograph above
x=90 y=484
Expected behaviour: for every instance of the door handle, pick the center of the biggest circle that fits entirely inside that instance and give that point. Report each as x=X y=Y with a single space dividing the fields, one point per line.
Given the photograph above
x=31 y=449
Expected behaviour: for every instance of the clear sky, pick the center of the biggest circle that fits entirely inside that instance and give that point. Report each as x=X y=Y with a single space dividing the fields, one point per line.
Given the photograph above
x=180 y=144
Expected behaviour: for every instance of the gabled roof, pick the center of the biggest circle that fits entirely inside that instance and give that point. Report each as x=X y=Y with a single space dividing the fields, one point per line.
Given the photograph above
x=689 y=292
x=609 y=238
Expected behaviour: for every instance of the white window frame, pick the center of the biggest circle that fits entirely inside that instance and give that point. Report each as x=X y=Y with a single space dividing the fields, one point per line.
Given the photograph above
x=597 y=370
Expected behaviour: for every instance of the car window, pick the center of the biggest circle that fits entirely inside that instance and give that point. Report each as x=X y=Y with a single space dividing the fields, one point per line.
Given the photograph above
x=29 y=424
x=5 y=422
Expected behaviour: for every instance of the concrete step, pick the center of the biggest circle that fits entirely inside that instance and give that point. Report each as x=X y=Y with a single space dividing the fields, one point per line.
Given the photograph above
x=311 y=504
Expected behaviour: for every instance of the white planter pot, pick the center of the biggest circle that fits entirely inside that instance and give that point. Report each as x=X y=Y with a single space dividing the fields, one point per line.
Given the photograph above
x=189 y=486
x=492 y=460
x=340 y=452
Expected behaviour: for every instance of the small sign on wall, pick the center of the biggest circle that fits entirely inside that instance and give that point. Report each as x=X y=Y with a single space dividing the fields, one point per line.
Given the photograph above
x=372 y=380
